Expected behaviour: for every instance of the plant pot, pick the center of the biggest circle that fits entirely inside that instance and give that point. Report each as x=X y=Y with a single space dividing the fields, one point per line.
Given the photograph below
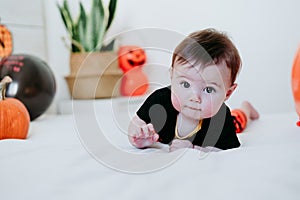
x=95 y=62
x=94 y=75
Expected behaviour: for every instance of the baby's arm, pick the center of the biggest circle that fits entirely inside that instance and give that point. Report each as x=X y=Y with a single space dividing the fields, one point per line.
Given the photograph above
x=140 y=134
x=179 y=144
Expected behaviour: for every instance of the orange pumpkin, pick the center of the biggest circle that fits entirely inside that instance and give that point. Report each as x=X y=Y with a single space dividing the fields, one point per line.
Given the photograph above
x=14 y=117
x=134 y=83
x=130 y=57
x=6 y=45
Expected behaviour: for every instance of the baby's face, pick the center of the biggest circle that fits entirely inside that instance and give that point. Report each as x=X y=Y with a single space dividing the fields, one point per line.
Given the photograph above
x=198 y=93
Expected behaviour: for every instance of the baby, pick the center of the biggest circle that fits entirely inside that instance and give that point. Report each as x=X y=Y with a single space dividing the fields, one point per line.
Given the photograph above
x=191 y=113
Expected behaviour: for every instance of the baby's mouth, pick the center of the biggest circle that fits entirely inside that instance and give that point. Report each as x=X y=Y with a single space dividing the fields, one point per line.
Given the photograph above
x=193 y=108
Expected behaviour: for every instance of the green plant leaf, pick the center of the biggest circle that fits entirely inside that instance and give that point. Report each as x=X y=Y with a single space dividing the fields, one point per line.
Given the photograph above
x=112 y=8
x=98 y=21
x=88 y=30
x=82 y=27
x=68 y=22
x=70 y=25
x=68 y=15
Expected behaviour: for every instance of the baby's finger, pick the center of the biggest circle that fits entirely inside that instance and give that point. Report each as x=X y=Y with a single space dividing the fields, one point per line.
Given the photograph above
x=155 y=137
x=152 y=133
x=144 y=131
x=150 y=128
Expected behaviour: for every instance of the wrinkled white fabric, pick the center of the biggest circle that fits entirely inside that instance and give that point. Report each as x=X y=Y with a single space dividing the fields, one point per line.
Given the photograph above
x=52 y=163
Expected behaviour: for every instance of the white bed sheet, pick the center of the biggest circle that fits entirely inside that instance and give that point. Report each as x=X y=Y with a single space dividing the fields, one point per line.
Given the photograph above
x=54 y=163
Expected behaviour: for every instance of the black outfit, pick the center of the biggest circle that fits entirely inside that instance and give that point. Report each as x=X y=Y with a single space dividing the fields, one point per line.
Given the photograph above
x=218 y=131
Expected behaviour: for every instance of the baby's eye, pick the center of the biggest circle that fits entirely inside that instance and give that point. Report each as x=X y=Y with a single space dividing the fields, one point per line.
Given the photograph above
x=185 y=84
x=209 y=90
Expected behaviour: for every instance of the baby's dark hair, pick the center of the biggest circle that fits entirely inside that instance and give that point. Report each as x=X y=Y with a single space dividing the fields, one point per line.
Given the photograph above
x=208 y=47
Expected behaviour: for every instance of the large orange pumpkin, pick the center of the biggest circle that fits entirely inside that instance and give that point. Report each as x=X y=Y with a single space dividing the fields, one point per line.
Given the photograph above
x=296 y=82
x=14 y=117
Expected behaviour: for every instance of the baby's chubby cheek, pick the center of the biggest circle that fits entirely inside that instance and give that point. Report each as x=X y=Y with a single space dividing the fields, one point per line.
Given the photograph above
x=176 y=102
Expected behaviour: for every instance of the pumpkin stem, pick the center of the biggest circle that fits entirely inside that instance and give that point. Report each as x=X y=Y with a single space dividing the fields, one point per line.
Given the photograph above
x=3 y=85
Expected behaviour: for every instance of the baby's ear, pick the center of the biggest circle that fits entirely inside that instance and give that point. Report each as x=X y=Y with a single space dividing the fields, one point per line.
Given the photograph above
x=230 y=91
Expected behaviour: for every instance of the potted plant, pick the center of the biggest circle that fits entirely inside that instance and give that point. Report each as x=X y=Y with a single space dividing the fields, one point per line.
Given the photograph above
x=94 y=70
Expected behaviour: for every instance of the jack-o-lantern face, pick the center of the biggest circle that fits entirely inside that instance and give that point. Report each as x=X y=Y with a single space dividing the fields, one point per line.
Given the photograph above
x=130 y=57
x=5 y=42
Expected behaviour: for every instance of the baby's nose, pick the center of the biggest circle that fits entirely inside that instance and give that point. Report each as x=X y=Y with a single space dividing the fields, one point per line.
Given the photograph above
x=197 y=96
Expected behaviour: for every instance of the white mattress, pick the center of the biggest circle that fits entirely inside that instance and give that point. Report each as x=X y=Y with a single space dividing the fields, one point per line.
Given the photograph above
x=62 y=159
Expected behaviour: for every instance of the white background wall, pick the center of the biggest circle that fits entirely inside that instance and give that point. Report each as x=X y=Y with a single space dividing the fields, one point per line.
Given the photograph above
x=25 y=20
x=266 y=32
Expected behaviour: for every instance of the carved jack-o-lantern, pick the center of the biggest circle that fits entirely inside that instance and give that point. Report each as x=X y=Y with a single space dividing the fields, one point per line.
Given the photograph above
x=130 y=57
x=5 y=42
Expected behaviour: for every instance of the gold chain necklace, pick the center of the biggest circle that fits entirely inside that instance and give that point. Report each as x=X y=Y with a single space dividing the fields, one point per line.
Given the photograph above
x=190 y=134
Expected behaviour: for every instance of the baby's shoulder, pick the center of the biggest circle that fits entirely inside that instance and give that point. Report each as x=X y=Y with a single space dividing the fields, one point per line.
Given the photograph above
x=162 y=92
x=160 y=96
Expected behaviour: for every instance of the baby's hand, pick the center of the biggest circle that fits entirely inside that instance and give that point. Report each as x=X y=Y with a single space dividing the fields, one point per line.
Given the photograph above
x=179 y=144
x=140 y=134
